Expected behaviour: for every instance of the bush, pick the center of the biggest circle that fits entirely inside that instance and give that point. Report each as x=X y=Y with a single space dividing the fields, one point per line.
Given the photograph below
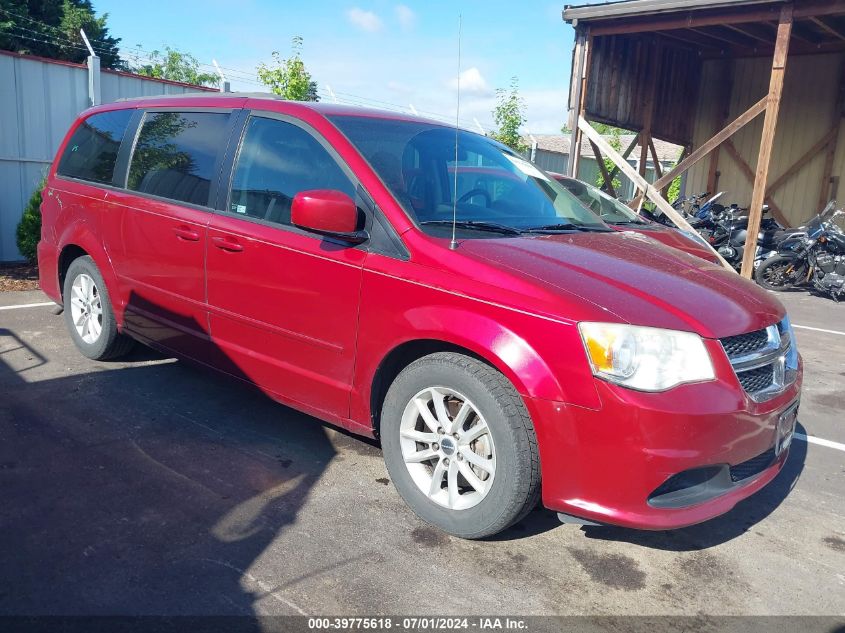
x=29 y=228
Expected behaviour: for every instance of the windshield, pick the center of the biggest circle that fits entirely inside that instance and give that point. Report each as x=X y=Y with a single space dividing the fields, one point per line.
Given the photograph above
x=498 y=192
x=609 y=209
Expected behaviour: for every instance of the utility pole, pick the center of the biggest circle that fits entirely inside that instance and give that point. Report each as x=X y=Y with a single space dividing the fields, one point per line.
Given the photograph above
x=225 y=86
x=94 y=93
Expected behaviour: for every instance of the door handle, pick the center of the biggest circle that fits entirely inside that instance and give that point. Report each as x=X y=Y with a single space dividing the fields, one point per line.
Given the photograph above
x=186 y=233
x=226 y=244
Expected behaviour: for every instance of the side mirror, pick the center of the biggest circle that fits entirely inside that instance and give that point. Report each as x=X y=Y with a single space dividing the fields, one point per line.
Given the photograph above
x=327 y=212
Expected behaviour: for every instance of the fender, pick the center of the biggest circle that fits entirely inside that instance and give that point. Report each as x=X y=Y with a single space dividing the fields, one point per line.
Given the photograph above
x=533 y=371
x=79 y=233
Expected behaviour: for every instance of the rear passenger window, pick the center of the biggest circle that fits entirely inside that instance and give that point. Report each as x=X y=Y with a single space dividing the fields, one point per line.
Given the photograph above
x=276 y=161
x=175 y=154
x=92 y=150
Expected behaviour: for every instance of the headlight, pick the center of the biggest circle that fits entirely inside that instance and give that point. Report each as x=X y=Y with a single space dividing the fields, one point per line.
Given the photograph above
x=645 y=358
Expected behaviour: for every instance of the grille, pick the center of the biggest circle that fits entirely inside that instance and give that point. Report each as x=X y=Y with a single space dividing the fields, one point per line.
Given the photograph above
x=758 y=379
x=742 y=344
x=753 y=466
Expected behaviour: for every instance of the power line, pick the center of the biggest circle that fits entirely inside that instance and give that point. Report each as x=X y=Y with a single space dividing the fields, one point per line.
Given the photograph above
x=59 y=32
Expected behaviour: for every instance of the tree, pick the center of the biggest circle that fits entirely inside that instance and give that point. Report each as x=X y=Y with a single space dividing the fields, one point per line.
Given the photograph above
x=176 y=66
x=614 y=138
x=50 y=28
x=509 y=116
x=29 y=228
x=289 y=78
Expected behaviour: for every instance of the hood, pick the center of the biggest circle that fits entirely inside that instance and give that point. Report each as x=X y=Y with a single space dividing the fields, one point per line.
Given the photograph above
x=674 y=238
x=635 y=278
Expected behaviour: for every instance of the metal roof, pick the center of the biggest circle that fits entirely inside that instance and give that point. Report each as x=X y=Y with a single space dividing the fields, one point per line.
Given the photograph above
x=630 y=8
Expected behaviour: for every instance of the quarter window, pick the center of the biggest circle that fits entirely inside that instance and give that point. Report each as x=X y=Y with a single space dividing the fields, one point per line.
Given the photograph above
x=91 y=152
x=176 y=153
x=276 y=161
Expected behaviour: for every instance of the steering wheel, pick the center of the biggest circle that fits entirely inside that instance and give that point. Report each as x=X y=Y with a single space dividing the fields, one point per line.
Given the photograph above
x=476 y=192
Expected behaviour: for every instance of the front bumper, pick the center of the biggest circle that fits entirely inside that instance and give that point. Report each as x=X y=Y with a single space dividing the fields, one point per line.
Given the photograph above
x=615 y=465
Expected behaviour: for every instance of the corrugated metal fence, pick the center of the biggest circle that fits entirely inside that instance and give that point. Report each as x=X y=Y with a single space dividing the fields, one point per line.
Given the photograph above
x=39 y=99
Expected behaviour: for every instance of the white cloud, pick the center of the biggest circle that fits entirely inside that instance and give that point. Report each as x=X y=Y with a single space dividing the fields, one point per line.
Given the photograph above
x=406 y=16
x=365 y=20
x=472 y=82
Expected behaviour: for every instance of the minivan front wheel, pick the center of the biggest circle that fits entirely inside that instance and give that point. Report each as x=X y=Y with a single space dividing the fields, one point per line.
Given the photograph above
x=88 y=312
x=459 y=445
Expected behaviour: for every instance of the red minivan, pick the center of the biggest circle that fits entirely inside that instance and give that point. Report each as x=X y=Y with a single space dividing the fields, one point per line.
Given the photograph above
x=522 y=351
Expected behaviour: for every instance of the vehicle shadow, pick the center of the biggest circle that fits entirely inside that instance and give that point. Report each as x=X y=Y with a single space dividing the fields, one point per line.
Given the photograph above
x=145 y=488
x=730 y=525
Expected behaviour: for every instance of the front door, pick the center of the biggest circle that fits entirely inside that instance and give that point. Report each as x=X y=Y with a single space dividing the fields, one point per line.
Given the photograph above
x=283 y=302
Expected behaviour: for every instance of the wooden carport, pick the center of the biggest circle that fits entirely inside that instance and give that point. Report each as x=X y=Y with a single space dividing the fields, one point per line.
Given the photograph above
x=685 y=71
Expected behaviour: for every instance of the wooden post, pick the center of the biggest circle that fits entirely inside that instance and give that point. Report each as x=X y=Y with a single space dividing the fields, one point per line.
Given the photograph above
x=770 y=122
x=650 y=95
x=576 y=99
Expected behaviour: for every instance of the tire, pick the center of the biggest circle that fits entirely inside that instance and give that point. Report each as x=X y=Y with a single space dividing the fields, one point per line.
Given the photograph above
x=503 y=459
x=96 y=336
x=772 y=274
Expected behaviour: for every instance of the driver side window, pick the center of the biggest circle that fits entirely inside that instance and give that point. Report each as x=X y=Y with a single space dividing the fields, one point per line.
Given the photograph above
x=276 y=161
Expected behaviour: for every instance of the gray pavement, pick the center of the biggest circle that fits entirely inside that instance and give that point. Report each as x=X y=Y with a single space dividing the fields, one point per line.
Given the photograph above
x=148 y=486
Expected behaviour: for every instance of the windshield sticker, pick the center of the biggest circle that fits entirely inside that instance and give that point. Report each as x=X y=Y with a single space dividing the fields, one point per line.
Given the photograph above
x=527 y=168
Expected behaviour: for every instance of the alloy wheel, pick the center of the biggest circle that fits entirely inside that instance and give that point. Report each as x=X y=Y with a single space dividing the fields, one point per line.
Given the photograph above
x=447 y=448
x=86 y=308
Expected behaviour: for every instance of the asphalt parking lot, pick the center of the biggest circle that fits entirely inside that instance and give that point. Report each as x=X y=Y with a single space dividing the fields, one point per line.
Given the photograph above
x=152 y=487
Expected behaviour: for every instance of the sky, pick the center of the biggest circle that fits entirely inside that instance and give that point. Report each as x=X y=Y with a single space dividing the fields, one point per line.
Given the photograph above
x=380 y=53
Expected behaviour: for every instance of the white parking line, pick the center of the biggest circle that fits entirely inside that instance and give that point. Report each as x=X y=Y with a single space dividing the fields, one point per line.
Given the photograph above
x=820 y=441
x=27 y=305
x=818 y=329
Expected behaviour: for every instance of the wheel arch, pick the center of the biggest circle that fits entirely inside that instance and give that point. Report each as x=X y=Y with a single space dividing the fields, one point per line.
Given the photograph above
x=79 y=241
x=509 y=355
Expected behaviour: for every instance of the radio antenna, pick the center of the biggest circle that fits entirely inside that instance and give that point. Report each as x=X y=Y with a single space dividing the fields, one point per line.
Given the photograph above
x=454 y=243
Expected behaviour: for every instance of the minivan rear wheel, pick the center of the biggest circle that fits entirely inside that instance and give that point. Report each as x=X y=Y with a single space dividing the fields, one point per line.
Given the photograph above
x=88 y=313
x=460 y=446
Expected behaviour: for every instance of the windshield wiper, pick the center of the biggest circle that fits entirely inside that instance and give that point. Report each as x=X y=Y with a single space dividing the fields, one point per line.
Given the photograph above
x=478 y=225
x=566 y=226
x=627 y=222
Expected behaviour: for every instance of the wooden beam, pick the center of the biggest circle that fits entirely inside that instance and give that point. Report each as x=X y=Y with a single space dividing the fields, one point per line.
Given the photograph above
x=658 y=168
x=799 y=164
x=717 y=139
x=625 y=155
x=579 y=58
x=827 y=27
x=696 y=43
x=809 y=8
x=690 y=19
x=651 y=192
x=608 y=180
x=715 y=35
x=749 y=30
x=746 y=171
x=755 y=212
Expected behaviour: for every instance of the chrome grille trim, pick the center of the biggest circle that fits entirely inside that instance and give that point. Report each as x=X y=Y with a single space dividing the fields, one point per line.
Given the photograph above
x=750 y=366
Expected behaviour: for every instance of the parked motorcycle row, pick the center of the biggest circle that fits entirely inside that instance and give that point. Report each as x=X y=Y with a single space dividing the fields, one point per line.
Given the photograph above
x=812 y=255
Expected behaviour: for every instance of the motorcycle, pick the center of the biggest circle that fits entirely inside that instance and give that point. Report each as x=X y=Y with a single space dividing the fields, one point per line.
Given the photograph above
x=730 y=233
x=816 y=256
